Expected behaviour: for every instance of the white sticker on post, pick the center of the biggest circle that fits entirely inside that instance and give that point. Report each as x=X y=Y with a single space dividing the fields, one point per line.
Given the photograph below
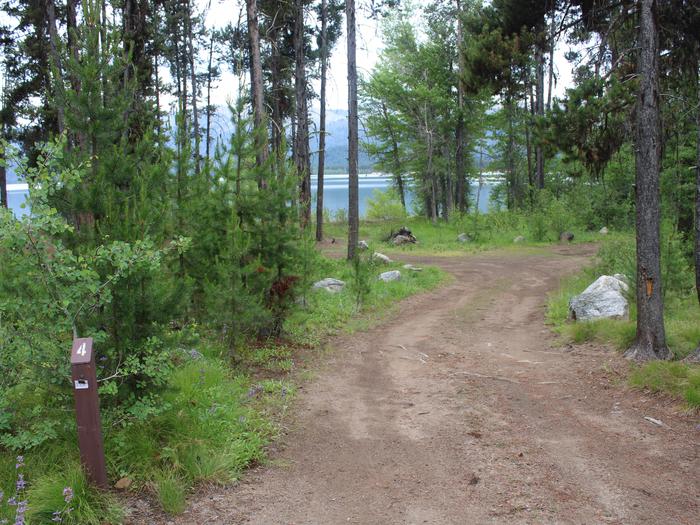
x=81 y=384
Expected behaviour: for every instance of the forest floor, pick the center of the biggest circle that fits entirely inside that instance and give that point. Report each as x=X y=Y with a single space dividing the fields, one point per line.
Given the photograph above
x=462 y=407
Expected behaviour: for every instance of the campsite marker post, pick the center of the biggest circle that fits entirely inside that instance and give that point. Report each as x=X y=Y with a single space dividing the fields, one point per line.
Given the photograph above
x=87 y=411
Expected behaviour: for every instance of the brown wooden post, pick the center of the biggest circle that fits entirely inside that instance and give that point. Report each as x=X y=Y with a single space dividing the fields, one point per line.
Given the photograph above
x=87 y=411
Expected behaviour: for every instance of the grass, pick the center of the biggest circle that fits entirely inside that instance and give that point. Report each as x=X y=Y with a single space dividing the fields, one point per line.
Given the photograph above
x=677 y=379
x=328 y=313
x=682 y=320
x=487 y=231
x=213 y=421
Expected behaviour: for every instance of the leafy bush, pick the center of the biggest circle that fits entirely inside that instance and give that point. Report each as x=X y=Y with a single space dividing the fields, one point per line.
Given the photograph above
x=50 y=293
x=385 y=206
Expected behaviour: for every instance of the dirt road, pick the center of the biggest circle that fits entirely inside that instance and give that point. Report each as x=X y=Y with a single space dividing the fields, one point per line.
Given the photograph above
x=462 y=409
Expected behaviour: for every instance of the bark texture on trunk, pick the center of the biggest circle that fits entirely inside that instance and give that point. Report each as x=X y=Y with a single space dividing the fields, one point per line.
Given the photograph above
x=353 y=181
x=3 y=183
x=697 y=204
x=195 y=92
x=398 y=166
x=460 y=168
x=54 y=44
x=322 y=122
x=259 y=118
x=650 y=342
x=301 y=142
x=539 y=153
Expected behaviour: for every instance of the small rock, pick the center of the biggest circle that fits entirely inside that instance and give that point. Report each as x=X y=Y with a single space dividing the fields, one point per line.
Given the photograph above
x=566 y=236
x=362 y=245
x=694 y=357
x=463 y=237
x=474 y=480
x=402 y=239
x=603 y=231
x=123 y=484
x=656 y=422
x=330 y=285
x=412 y=268
x=393 y=275
x=519 y=238
x=381 y=257
x=603 y=299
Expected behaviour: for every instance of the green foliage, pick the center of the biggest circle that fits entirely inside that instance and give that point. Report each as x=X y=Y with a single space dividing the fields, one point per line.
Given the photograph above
x=677 y=379
x=170 y=491
x=363 y=269
x=385 y=206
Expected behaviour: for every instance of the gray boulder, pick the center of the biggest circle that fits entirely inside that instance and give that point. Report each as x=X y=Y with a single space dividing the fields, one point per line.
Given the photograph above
x=463 y=237
x=603 y=231
x=393 y=275
x=402 y=239
x=603 y=299
x=519 y=239
x=362 y=245
x=566 y=237
x=412 y=268
x=330 y=285
x=381 y=258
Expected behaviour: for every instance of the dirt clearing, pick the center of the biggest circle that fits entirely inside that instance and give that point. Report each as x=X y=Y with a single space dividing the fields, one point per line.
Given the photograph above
x=461 y=408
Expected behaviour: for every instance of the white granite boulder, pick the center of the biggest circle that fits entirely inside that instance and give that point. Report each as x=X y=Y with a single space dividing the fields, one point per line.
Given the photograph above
x=603 y=299
x=330 y=285
x=393 y=275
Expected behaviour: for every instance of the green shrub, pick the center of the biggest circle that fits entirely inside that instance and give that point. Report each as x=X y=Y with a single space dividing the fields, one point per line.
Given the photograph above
x=678 y=379
x=385 y=205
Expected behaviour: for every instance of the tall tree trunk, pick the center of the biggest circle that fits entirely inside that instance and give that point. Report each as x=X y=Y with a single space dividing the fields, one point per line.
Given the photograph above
x=697 y=191
x=510 y=106
x=650 y=342
x=259 y=117
x=301 y=143
x=276 y=81
x=552 y=35
x=322 y=122
x=353 y=177
x=54 y=43
x=398 y=167
x=460 y=168
x=3 y=183
x=209 y=108
x=539 y=153
x=193 y=81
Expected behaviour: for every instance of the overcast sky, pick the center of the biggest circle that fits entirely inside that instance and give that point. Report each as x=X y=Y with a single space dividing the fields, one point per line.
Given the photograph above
x=369 y=44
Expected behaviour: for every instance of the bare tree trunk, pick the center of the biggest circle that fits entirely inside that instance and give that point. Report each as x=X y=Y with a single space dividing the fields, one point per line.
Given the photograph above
x=209 y=108
x=56 y=63
x=460 y=168
x=398 y=168
x=650 y=342
x=322 y=122
x=275 y=78
x=353 y=178
x=193 y=81
x=539 y=153
x=552 y=35
x=301 y=143
x=259 y=116
x=697 y=194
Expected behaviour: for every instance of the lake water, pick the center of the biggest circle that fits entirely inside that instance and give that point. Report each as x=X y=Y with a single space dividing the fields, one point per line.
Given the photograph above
x=335 y=191
x=335 y=196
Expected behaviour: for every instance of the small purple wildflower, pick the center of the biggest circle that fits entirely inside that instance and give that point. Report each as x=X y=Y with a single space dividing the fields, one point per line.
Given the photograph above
x=2 y=496
x=68 y=494
x=21 y=484
x=12 y=501
x=20 y=462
